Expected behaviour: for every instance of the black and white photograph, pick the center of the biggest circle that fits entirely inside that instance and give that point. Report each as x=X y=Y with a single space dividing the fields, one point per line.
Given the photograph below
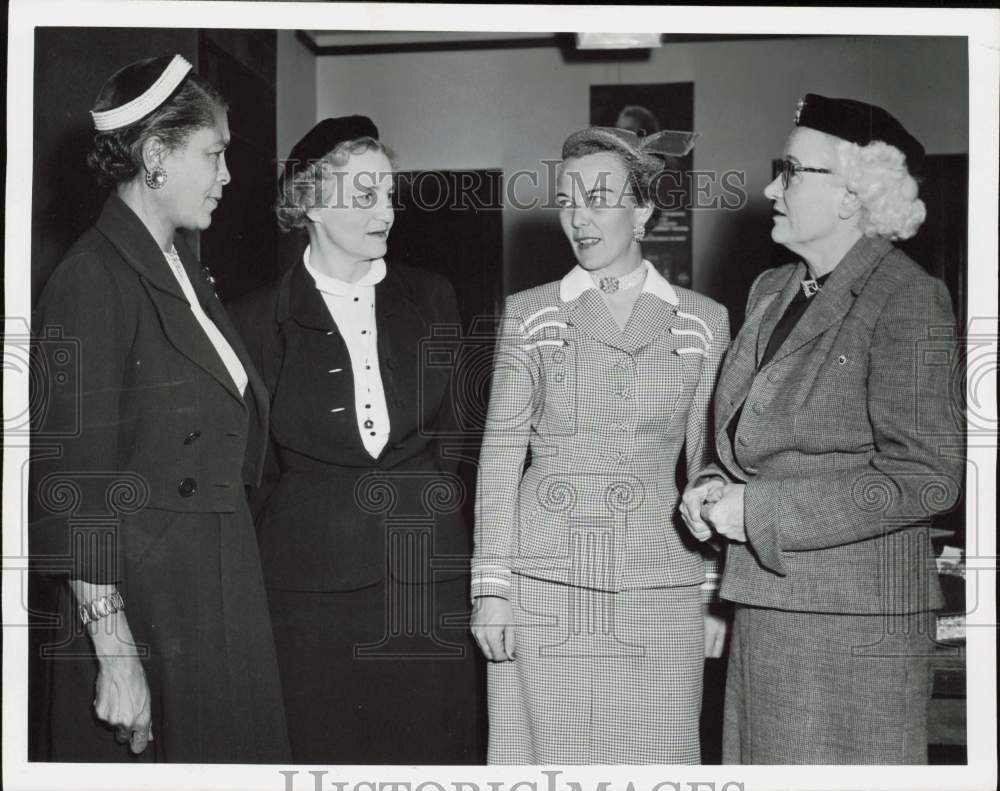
x=499 y=398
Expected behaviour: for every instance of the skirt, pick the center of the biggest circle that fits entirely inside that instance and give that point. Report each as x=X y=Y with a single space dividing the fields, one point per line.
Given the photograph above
x=197 y=608
x=599 y=677
x=382 y=675
x=820 y=688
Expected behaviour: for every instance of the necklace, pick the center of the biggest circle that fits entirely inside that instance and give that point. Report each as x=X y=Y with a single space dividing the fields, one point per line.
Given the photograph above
x=609 y=285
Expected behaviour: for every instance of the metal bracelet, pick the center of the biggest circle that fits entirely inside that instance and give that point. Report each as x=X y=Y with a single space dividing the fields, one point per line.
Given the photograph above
x=99 y=608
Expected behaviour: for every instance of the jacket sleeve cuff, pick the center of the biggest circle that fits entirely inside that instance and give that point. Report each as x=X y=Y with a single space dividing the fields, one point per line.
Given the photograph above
x=760 y=525
x=491 y=581
x=709 y=589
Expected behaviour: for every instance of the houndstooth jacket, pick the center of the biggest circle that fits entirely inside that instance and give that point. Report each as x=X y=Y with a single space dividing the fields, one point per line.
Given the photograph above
x=848 y=440
x=605 y=414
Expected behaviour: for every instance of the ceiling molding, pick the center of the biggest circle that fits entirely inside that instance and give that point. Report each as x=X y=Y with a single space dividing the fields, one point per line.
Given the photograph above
x=327 y=43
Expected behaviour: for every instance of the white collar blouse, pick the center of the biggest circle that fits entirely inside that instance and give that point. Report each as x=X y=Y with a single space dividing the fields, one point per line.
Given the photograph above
x=352 y=308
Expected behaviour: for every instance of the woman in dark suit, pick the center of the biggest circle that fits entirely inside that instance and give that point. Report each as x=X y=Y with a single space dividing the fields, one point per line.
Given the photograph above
x=360 y=533
x=138 y=487
x=836 y=441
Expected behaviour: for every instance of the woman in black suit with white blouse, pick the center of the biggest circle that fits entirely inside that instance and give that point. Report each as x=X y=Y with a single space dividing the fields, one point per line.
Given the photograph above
x=360 y=531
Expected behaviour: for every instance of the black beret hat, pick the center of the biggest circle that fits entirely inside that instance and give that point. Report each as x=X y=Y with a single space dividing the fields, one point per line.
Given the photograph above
x=859 y=123
x=328 y=134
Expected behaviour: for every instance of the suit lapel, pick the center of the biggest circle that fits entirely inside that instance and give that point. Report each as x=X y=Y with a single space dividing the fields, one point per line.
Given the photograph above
x=400 y=325
x=589 y=314
x=138 y=248
x=833 y=301
x=776 y=309
x=651 y=317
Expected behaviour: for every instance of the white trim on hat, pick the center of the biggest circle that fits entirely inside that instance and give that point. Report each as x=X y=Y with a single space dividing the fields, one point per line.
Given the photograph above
x=145 y=103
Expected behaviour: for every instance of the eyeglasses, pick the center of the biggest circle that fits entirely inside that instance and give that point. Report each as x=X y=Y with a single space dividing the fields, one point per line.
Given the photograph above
x=790 y=168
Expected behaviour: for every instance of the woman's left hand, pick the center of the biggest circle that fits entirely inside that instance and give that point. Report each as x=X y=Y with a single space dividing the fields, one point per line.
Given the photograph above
x=715 y=635
x=726 y=515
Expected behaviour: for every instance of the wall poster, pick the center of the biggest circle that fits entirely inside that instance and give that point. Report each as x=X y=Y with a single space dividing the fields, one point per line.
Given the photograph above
x=647 y=109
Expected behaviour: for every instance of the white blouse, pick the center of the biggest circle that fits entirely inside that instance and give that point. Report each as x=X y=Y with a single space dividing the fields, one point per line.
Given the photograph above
x=352 y=306
x=222 y=347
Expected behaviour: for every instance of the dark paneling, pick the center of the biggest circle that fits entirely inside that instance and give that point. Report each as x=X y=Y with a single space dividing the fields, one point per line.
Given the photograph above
x=941 y=245
x=241 y=246
x=451 y=222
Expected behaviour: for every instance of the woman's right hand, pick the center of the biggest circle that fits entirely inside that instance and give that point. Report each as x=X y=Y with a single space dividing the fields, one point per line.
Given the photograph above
x=493 y=627
x=697 y=494
x=121 y=694
x=122 y=700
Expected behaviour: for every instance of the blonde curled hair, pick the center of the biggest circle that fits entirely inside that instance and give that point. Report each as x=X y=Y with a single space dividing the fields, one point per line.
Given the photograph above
x=877 y=174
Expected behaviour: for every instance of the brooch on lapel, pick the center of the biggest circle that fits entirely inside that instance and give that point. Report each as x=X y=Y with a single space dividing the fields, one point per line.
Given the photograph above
x=210 y=279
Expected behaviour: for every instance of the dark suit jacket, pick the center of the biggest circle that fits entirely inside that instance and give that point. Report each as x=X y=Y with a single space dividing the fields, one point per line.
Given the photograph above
x=329 y=513
x=848 y=441
x=136 y=409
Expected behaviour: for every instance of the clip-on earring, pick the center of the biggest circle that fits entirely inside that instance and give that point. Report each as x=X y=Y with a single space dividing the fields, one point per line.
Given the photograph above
x=156 y=178
x=639 y=232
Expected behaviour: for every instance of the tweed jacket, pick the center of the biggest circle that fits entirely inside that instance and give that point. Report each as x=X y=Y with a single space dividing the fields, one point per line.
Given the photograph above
x=140 y=411
x=847 y=441
x=605 y=414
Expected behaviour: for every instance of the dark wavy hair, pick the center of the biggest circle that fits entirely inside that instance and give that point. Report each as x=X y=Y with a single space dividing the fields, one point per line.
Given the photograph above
x=116 y=155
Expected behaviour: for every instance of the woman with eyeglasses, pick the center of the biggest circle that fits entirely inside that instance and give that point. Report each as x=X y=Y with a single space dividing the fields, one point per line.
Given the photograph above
x=836 y=441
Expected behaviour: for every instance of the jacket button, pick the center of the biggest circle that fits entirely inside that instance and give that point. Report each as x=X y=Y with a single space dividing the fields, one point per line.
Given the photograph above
x=187 y=487
x=751 y=470
x=758 y=409
x=742 y=440
x=191 y=437
x=772 y=375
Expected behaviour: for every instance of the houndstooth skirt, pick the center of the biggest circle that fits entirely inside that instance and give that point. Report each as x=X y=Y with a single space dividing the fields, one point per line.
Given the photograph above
x=821 y=688
x=599 y=677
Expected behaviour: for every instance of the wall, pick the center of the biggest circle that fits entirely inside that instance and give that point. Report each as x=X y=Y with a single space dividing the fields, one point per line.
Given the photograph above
x=509 y=108
x=296 y=90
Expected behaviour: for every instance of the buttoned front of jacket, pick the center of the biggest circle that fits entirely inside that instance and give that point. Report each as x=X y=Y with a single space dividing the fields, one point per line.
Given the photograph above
x=842 y=436
x=606 y=414
x=157 y=407
x=327 y=507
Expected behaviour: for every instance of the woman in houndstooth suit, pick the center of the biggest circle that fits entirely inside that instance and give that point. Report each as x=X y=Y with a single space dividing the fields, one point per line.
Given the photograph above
x=836 y=441
x=588 y=598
